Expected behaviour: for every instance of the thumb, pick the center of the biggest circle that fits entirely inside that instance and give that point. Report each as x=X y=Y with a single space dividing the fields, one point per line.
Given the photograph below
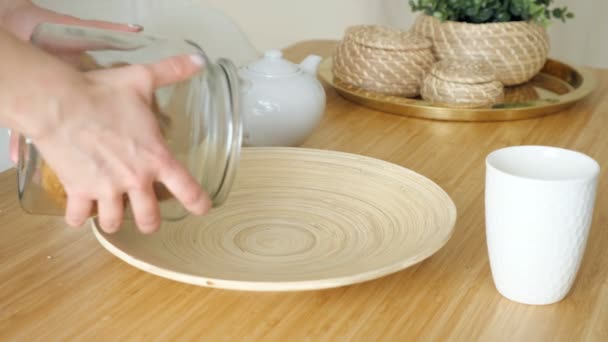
x=175 y=69
x=146 y=77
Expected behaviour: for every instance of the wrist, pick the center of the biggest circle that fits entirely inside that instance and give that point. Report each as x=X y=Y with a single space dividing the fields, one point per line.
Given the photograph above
x=44 y=115
x=42 y=106
x=37 y=88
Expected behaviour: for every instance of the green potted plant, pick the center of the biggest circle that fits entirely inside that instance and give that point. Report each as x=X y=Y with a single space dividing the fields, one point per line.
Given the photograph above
x=510 y=35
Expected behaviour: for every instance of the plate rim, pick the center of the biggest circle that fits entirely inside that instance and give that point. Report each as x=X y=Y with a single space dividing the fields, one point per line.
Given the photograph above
x=298 y=285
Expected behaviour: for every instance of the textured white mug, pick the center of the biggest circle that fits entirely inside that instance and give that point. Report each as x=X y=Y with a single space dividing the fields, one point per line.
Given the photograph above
x=539 y=207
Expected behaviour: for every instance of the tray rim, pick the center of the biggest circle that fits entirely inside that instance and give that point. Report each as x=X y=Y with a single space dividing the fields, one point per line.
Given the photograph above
x=299 y=285
x=438 y=113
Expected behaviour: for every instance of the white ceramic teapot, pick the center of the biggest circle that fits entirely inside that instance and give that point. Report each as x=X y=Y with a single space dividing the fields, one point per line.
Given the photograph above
x=281 y=102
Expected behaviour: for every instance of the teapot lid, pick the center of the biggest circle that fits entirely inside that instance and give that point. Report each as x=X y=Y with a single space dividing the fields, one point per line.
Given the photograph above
x=273 y=64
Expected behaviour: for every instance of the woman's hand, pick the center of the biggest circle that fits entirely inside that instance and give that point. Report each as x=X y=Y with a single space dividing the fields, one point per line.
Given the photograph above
x=104 y=142
x=20 y=17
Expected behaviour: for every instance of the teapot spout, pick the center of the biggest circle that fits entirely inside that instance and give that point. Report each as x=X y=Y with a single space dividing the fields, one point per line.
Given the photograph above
x=311 y=64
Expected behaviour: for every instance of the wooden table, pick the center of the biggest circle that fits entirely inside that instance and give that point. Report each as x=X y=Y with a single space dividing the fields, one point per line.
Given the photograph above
x=58 y=283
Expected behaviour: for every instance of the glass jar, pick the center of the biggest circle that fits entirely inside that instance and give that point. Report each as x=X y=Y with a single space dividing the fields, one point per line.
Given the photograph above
x=199 y=118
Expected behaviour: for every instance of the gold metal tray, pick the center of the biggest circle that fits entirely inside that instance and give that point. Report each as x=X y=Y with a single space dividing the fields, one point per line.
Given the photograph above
x=555 y=88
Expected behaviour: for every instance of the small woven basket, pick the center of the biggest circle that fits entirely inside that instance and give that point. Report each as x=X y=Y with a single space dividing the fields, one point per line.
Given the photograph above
x=456 y=84
x=517 y=50
x=383 y=60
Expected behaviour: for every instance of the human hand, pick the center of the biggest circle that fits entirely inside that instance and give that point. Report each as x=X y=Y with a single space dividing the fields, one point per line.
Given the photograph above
x=104 y=143
x=22 y=16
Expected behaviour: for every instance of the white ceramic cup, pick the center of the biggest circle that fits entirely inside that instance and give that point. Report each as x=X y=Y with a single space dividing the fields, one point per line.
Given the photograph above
x=539 y=208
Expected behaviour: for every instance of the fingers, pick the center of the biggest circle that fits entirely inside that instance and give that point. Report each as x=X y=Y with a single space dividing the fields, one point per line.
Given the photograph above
x=111 y=212
x=78 y=210
x=145 y=209
x=34 y=16
x=146 y=78
x=66 y=48
x=110 y=26
x=174 y=69
x=143 y=201
x=185 y=189
x=58 y=18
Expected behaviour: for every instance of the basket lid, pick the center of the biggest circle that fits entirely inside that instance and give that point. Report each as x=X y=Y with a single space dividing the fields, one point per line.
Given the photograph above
x=464 y=72
x=387 y=38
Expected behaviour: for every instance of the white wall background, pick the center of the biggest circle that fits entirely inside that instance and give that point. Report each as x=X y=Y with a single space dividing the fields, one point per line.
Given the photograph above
x=583 y=41
x=277 y=23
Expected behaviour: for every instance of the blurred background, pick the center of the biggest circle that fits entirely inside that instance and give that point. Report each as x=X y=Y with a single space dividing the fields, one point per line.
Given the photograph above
x=277 y=23
x=241 y=29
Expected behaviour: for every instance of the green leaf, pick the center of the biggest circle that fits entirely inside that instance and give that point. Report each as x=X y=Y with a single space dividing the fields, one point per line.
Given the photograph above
x=557 y=12
x=516 y=8
x=472 y=11
x=484 y=15
x=503 y=16
x=481 y=11
x=438 y=15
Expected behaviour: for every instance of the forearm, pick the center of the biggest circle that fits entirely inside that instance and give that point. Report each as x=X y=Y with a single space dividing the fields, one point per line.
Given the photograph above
x=7 y=7
x=34 y=86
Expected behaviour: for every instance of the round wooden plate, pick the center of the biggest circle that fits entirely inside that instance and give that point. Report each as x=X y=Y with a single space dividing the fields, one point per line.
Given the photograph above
x=299 y=219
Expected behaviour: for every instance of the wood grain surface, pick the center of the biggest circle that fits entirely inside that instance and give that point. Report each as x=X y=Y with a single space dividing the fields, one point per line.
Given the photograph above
x=299 y=219
x=58 y=283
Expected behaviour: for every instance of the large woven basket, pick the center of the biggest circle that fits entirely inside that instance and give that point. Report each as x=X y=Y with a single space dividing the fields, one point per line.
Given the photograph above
x=383 y=60
x=517 y=50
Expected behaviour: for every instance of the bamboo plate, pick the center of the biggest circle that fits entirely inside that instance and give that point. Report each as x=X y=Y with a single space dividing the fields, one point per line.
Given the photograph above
x=557 y=87
x=299 y=219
